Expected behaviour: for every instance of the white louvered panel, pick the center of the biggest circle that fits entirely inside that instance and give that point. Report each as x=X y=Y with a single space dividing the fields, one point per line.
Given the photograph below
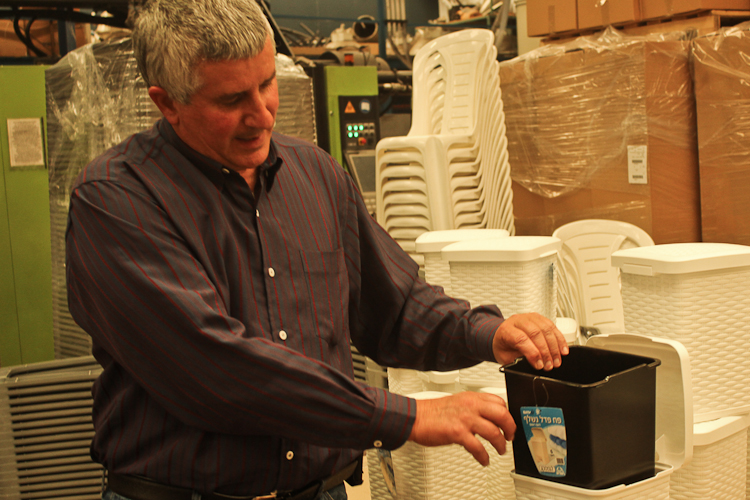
x=707 y=312
x=46 y=431
x=717 y=472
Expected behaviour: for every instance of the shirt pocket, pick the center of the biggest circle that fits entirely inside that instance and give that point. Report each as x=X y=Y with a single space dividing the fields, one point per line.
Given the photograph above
x=326 y=285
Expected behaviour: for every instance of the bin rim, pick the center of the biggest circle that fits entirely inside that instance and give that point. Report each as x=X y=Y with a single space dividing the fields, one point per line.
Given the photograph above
x=651 y=363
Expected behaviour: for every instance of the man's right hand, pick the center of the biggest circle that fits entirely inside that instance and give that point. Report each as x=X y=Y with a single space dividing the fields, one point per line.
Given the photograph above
x=460 y=418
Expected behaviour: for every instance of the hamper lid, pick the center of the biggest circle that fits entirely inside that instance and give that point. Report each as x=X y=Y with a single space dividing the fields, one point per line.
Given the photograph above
x=511 y=249
x=705 y=433
x=674 y=391
x=681 y=258
x=434 y=241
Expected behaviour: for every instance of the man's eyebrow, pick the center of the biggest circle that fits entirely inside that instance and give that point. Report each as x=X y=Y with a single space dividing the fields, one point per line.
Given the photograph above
x=270 y=78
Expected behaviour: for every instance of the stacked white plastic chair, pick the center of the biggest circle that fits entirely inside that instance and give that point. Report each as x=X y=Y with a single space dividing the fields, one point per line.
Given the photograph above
x=588 y=285
x=699 y=294
x=46 y=431
x=451 y=171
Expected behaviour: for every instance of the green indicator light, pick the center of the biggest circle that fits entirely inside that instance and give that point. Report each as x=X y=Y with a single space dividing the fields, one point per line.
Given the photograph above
x=356 y=134
x=361 y=127
x=349 y=127
x=351 y=135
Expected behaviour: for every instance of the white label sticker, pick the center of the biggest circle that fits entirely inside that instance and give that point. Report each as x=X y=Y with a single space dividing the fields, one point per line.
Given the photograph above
x=637 y=166
x=25 y=142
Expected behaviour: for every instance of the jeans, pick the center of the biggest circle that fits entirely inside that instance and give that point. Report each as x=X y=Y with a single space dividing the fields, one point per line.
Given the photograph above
x=335 y=493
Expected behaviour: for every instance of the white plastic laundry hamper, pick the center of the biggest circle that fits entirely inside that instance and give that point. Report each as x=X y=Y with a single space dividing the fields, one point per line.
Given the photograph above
x=430 y=244
x=437 y=472
x=674 y=426
x=499 y=483
x=516 y=273
x=698 y=294
x=719 y=466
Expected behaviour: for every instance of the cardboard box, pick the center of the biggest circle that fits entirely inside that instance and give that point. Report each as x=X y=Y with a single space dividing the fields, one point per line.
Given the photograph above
x=664 y=8
x=603 y=127
x=44 y=35
x=598 y=13
x=544 y=17
x=723 y=107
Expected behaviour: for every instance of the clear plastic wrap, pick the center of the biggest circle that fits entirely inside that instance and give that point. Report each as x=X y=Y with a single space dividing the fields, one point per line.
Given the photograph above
x=721 y=65
x=604 y=127
x=296 y=115
x=96 y=98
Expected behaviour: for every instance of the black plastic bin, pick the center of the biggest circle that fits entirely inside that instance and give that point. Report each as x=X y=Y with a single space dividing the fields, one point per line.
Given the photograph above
x=607 y=400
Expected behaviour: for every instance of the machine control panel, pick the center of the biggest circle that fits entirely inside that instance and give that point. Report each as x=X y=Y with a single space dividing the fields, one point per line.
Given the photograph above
x=359 y=125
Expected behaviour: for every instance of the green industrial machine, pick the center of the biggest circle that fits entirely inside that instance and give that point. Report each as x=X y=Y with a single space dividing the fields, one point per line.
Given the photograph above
x=349 y=95
x=25 y=263
x=348 y=121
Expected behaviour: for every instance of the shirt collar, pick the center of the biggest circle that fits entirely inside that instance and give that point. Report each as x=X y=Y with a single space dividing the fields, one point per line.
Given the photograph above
x=213 y=169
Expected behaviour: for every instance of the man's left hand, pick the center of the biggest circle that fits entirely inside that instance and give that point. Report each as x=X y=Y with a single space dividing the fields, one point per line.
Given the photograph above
x=532 y=336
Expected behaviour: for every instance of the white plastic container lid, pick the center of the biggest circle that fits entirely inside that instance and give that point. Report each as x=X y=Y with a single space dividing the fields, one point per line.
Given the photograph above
x=674 y=391
x=435 y=241
x=706 y=433
x=681 y=258
x=511 y=249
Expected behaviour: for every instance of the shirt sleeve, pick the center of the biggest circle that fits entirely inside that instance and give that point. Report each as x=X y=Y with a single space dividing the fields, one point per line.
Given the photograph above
x=134 y=285
x=397 y=318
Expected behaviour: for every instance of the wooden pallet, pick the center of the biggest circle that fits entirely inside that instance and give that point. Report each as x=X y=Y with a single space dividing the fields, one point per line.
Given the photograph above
x=698 y=23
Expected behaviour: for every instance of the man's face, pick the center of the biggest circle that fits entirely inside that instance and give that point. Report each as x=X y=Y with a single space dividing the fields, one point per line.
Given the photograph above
x=231 y=117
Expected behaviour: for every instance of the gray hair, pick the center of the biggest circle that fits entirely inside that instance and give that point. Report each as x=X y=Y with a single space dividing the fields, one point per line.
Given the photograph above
x=171 y=37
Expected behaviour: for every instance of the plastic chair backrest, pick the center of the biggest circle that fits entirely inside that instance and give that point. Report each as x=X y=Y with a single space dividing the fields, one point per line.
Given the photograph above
x=589 y=286
x=447 y=74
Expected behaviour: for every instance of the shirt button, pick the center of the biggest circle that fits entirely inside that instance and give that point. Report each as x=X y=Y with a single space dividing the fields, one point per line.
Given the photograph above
x=289 y=455
x=271 y=272
x=378 y=443
x=282 y=335
x=225 y=170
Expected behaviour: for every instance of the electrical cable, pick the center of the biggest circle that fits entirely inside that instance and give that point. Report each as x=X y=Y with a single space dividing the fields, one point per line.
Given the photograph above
x=26 y=38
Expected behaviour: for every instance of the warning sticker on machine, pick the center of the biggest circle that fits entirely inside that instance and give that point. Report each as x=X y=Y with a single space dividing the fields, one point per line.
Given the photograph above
x=545 y=434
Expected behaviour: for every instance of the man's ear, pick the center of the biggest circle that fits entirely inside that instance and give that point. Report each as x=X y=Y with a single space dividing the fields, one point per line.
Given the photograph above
x=165 y=104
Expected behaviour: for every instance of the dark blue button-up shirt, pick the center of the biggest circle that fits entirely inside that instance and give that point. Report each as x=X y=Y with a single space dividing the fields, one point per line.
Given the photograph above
x=223 y=322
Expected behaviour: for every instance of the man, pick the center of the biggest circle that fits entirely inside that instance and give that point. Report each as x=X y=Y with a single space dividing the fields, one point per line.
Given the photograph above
x=221 y=271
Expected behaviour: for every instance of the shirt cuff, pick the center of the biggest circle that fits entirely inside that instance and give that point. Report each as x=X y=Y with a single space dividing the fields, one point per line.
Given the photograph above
x=485 y=335
x=392 y=420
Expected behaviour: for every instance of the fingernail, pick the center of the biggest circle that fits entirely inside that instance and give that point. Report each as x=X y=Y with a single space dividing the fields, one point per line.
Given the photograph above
x=539 y=364
x=565 y=349
x=557 y=362
x=548 y=366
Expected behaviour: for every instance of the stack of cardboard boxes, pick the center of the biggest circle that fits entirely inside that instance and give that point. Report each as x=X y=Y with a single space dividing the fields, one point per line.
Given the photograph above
x=652 y=130
x=547 y=17
x=721 y=63
x=604 y=127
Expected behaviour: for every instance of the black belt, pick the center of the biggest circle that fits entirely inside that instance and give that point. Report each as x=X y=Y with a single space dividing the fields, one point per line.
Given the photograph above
x=141 y=488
